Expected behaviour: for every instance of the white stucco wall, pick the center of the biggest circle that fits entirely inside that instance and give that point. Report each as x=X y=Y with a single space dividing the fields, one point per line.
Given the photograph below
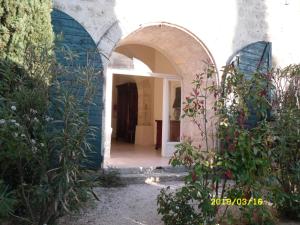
x=223 y=26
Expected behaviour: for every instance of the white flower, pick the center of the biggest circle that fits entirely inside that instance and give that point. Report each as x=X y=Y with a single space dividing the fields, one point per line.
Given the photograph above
x=34 y=149
x=47 y=118
x=16 y=134
x=13 y=121
x=33 y=141
x=17 y=124
x=14 y=108
x=33 y=111
x=224 y=124
x=23 y=135
x=42 y=145
x=2 y=121
x=35 y=119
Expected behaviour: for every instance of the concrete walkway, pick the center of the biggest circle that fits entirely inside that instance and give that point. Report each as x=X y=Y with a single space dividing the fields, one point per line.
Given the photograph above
x=130 y=205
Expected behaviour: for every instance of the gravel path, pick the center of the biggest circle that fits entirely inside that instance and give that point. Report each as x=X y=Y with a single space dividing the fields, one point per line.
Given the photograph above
x=130 y=205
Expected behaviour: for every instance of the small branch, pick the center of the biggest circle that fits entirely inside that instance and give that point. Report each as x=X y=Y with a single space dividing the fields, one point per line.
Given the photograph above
x=21 y=218
x=22 y=189
x=223 y=188
x=205 y=115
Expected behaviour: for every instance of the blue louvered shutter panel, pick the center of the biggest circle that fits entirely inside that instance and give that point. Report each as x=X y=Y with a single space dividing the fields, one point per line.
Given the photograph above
x=77 y=40
x=255 y=57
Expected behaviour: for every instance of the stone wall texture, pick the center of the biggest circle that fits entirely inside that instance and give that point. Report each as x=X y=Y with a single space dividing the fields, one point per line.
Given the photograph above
x=190 y=32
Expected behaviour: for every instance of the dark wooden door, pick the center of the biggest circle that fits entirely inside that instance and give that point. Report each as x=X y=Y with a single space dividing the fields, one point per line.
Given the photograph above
x=127 y=107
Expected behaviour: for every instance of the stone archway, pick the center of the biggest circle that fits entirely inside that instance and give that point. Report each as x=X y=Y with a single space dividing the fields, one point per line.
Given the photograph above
x=183 y=50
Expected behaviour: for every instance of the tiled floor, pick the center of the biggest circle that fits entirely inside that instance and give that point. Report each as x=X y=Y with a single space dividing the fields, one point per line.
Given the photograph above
x=130 y=155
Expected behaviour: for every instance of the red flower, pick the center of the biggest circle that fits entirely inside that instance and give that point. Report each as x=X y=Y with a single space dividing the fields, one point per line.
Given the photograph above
x=263 y=93
x=188 y=160
x=241 y=119
x=196 y=92
x=227 y=138
x=194 y=176
x=231 y=147
x=228 y=174
x=236 y=133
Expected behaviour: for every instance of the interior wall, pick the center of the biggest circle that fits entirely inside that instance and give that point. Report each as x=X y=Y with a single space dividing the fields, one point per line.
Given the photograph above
x=158 y=102
x=149 y=105
x=172 y=94
x=156 y=61
x=162 y=64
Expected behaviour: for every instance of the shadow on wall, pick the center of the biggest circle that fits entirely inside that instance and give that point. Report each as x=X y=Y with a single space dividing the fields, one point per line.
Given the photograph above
x=87 y=26
x=251 y=23
x=99 y=19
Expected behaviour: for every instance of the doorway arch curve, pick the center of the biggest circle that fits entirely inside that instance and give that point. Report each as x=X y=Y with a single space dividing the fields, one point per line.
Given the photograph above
x=187 y=54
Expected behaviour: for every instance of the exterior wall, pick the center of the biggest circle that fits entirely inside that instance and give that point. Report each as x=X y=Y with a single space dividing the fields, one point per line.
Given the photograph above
x=78 y=41
x=224 y=26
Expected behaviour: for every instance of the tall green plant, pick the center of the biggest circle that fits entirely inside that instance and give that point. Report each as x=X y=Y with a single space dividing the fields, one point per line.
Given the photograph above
x=237 y=166
x=44 y=140
x=22 y=24
x=286 y=140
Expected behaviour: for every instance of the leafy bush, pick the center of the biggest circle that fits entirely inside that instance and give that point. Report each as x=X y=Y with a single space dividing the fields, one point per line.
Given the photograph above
x=22 y=24
x=7 y=200
x=44 y=140
x=286 y=140
x=190 y=204
x=237 y=165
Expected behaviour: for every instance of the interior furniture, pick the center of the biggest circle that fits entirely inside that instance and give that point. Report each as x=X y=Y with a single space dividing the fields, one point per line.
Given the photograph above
x=174 y=132
x=127 y=109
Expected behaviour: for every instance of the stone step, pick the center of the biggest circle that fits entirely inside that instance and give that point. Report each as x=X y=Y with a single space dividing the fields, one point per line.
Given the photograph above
x=139 y=175
x=144 y=170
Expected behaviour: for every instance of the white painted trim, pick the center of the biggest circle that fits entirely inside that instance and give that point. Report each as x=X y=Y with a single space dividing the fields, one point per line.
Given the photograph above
x=144 y=74
x=165 y=117
x=108 y=114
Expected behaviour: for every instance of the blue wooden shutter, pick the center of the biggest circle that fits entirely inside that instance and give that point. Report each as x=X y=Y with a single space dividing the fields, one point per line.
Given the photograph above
x=78 y=41
x=255 y=57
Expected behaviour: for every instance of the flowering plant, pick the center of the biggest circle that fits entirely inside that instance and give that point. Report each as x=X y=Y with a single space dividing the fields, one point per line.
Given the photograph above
x=235 y=163
x=41 y=162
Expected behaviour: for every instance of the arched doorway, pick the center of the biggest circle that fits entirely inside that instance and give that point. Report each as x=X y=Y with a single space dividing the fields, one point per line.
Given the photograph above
x=172 y=54
x=127 y=110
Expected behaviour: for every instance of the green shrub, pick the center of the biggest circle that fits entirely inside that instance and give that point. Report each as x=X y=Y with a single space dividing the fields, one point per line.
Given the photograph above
x=286 y=143
x=190 y=204
x=44 y=141
x=44 y=137
x=24 y=23
x=237 y=166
